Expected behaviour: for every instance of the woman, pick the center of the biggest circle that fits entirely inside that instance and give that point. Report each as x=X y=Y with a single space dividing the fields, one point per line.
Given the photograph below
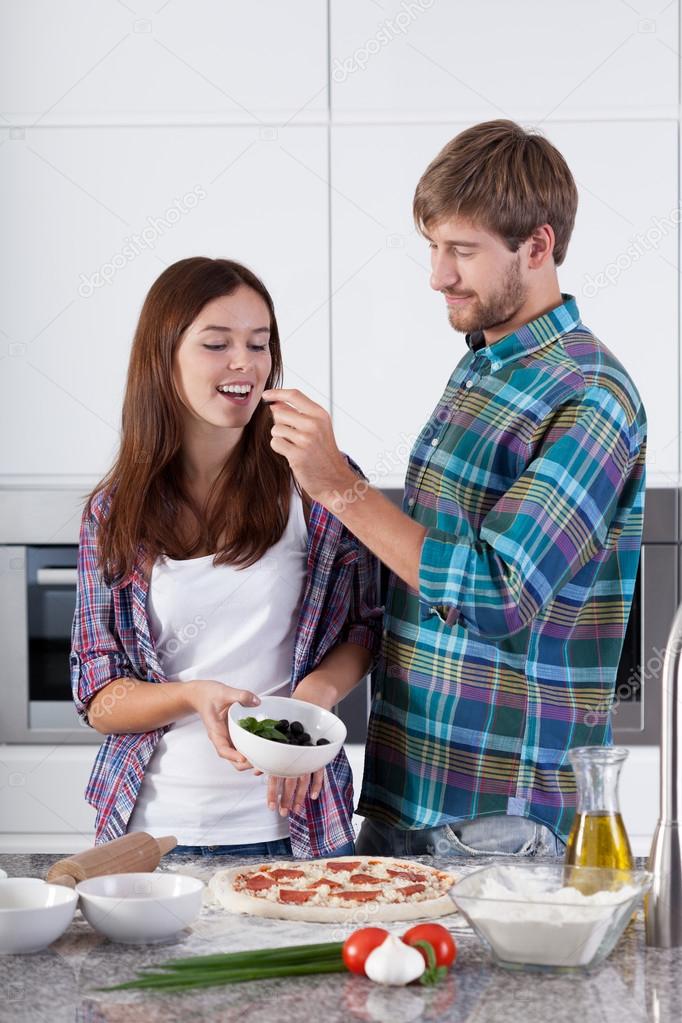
x=203 y=567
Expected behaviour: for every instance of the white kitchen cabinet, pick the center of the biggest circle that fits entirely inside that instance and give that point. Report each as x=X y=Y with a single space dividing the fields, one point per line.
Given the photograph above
x=91 y=217
x=623 y=262
x=42 y=802
x=403 y=58
x=42 y=808
x=392 y=347
x=151 y=61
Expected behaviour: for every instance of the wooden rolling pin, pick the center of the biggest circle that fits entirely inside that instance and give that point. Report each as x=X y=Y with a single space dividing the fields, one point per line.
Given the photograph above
x=137 y=851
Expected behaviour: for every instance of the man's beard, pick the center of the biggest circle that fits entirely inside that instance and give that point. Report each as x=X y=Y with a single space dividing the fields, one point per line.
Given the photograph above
x=496 y=309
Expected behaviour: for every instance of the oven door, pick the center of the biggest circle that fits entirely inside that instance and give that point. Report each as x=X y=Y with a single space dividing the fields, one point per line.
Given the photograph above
x=38 y=587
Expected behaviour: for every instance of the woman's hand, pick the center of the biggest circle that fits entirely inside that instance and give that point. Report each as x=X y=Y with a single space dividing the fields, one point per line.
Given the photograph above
x=285 y=794
x=288 y=793
x=212 y=700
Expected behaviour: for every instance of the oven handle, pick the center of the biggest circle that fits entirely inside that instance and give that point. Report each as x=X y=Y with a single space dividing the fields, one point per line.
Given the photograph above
x=57 y=576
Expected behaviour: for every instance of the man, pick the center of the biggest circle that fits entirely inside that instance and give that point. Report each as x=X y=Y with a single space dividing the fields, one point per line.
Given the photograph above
x=514 y=559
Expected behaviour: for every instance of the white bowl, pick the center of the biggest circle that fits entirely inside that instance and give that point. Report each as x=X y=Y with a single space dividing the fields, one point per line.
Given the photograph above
x=280 y=759
x=140 y=908
x=33 y=913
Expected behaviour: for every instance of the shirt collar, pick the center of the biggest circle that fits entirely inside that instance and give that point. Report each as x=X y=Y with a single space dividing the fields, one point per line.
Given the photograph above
x=531 y=336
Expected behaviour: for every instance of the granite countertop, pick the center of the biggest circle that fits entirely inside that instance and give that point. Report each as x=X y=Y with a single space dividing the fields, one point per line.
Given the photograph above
x=635 y=984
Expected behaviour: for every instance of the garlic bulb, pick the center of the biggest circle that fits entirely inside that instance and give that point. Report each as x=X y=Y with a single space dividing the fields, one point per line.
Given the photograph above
x=394 y=962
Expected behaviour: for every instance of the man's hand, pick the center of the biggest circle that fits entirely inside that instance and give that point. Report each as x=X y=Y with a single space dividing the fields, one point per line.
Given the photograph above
x=303 y=434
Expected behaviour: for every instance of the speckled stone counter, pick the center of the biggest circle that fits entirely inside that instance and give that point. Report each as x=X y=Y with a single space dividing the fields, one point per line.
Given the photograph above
x=636 y=983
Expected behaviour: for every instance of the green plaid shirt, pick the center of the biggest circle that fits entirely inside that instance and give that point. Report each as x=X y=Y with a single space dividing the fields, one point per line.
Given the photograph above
x=529 y=478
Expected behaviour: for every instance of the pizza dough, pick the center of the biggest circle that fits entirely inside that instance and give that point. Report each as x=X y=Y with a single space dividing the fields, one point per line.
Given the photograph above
x=332 y=890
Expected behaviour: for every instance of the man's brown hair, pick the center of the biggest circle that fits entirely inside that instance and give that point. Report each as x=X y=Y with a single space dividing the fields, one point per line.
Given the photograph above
x=508 y=180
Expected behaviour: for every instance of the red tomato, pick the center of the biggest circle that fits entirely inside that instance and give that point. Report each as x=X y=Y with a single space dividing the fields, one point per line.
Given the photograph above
x=358 y=946
x=441 y=939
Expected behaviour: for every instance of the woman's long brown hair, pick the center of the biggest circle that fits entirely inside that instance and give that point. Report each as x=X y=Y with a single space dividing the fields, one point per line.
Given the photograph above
x=248 y=505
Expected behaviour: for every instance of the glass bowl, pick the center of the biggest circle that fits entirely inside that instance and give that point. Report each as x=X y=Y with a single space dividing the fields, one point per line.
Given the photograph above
x=549 y=917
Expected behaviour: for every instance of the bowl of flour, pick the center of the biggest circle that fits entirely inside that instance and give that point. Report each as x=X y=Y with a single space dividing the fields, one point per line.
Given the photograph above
x=549 y=917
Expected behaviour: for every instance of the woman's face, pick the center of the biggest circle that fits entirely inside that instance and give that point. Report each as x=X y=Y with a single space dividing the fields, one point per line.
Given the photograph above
x=223 y=360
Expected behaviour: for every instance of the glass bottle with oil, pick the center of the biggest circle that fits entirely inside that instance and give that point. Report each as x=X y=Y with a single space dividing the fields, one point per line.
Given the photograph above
x=598 y=837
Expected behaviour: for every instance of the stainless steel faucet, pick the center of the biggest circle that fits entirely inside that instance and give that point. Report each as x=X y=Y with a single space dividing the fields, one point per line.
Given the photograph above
x=663 y=905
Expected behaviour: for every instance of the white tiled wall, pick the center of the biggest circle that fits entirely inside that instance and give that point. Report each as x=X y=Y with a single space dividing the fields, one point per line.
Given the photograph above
x=305 y=127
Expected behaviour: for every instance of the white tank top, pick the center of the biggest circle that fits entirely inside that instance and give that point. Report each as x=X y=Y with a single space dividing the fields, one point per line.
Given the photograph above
x=237 y=626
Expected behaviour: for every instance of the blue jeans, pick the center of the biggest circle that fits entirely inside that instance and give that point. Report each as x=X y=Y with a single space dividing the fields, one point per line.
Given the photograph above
x=277 y=848
x=497 y=835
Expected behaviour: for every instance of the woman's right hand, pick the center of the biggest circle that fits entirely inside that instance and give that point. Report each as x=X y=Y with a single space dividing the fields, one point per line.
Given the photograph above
x=212 y=700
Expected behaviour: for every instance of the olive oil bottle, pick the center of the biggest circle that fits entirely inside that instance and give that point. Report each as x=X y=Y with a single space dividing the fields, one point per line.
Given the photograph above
x=599 y=840
x=598 y=837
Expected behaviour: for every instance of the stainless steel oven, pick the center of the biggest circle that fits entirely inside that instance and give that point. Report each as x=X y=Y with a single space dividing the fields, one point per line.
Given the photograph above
x=38 y=593
x=38 y=597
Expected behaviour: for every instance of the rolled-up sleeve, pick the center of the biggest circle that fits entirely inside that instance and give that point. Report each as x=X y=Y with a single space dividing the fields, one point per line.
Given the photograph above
x=365 y=616
x=97 y=655
x=552 y=521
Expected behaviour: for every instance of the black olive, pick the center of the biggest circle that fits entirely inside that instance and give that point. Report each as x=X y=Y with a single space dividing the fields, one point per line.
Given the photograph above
x=322 y=742
x=306 y=744
x=296 y=728
x=305 y=737
x=282 y=726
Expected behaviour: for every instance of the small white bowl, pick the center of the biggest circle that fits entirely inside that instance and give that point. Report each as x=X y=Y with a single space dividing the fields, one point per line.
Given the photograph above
x=278 y=758
x=33 y=913
x=140 y=908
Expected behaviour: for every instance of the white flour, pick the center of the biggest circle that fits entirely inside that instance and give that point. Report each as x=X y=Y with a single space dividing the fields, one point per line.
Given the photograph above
x=553 y=926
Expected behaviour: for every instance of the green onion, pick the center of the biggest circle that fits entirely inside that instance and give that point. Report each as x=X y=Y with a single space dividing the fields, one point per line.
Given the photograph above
x=235 y=967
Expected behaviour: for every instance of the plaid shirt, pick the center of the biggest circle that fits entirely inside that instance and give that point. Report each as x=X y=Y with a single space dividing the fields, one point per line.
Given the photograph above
x=529 y=479
x=111 y=639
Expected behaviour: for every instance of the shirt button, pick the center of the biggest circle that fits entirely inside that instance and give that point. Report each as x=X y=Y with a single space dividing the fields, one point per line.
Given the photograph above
x=412 y=501
x=434 y=442
x=469 y=383
x=496 y=365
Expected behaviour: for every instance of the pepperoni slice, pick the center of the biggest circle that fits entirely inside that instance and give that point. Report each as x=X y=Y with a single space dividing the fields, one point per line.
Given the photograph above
x=365 y=879
x=339 y=866
x=412 y=889
x=282 y=873
x=292 y=895
x=358 y=896
x=259 y=883
x=409 y=875
x=328 y=881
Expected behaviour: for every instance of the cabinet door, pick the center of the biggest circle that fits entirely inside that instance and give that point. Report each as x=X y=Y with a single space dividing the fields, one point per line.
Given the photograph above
x=528 y=59
x=392 y=346
x=79 y=62
x=92 y=216
x=623 y=262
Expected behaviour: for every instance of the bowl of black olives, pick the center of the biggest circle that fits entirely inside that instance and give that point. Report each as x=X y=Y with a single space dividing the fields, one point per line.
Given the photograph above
x=286 y=737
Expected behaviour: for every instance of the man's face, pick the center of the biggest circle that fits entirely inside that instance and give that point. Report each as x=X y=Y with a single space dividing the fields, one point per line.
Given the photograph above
x=482 y=281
